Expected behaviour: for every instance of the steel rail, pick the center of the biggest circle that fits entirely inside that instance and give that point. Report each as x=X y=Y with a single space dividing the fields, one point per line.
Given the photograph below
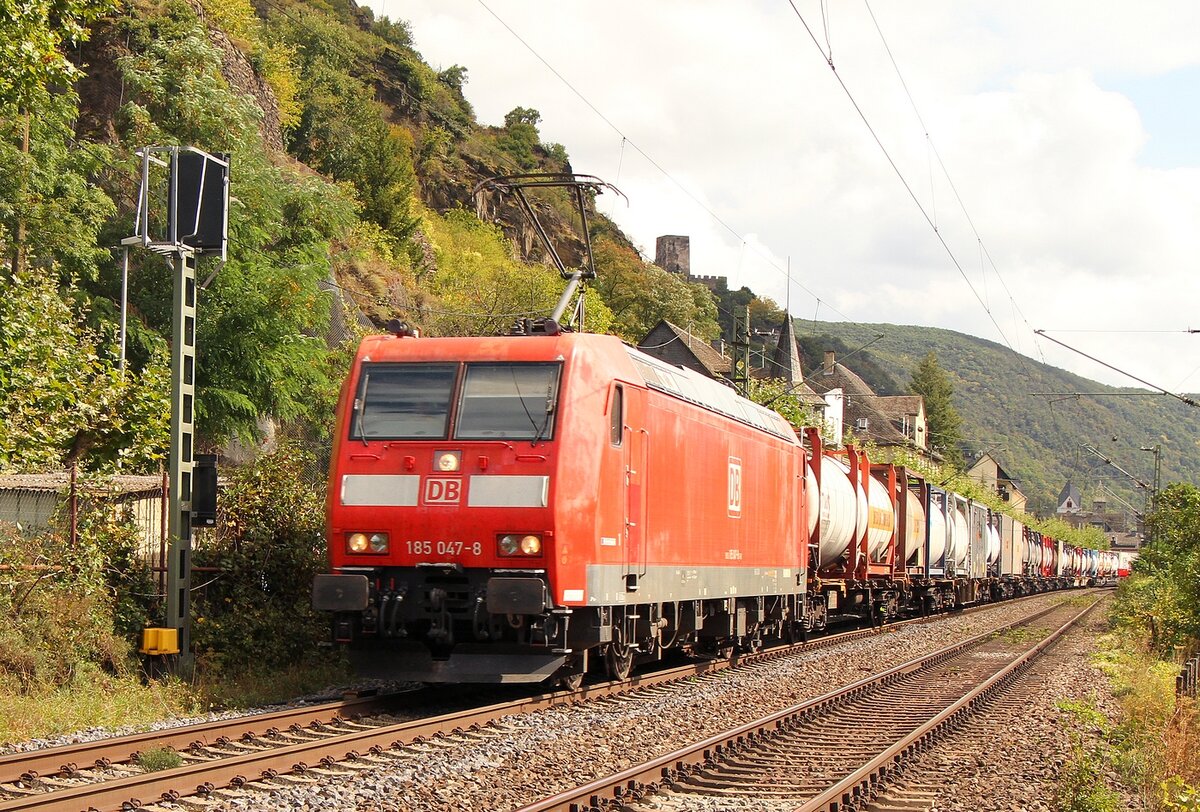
x=860 y=782
x=650 y=774
x=32 y=764
x=130 y=791
x=51 y=760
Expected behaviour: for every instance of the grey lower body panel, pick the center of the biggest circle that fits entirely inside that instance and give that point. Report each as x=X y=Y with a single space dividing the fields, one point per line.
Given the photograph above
x=607 y=583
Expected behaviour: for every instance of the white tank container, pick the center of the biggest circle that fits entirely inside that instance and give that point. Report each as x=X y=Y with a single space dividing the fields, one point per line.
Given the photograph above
x=914 y=533
x=958 y=538
x=993 y=549
x=839 y=510
x=937 y=535
x=812 y=498
x=880 y=520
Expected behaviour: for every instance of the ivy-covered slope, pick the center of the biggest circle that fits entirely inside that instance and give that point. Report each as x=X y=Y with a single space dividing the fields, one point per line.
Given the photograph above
x=1037 y=438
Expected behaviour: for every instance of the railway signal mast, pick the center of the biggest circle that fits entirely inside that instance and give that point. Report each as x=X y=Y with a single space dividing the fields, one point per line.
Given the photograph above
x=181 y=220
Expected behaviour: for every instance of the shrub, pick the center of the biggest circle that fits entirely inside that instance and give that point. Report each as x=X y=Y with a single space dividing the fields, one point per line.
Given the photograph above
x=255 y=616
x=68 y=609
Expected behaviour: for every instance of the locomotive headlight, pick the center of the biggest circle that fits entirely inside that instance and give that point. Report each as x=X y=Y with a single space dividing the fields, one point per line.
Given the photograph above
x=513 y=544
x=447 y=461
x=360 y=543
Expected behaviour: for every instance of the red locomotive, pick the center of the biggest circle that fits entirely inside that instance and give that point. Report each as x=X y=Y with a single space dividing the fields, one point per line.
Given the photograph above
x=506 y=509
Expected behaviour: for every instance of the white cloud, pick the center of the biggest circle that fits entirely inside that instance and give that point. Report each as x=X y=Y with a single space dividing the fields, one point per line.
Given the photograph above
x=736 y=103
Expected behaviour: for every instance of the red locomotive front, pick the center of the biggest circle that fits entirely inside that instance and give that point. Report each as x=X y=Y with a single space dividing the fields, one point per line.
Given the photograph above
x=501 y=507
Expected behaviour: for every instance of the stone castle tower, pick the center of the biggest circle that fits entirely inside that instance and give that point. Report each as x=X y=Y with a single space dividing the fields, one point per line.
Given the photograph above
x=673 y=253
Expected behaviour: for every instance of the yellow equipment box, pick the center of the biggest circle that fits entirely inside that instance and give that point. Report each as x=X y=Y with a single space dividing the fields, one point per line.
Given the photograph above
x=160 y=641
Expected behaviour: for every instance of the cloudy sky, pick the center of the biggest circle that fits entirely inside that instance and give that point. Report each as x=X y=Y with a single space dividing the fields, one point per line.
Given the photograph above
x=1069 y=131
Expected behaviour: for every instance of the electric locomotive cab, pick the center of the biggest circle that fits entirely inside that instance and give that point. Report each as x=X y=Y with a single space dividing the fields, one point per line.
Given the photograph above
x=440 y=526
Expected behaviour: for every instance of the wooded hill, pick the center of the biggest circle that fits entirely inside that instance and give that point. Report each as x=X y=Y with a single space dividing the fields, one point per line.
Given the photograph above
x=1036 y=438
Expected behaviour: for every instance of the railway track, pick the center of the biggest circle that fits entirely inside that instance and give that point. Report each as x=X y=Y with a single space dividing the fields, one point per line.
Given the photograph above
x=296 y=745
x=837 y=751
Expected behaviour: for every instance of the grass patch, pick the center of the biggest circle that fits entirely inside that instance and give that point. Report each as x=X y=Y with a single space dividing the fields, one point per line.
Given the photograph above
x=95 y=699
x=279 y=685
x=1179 y=796
x=91 y=699
x=1156 y=745
x=158 y=759
x=1022 y=634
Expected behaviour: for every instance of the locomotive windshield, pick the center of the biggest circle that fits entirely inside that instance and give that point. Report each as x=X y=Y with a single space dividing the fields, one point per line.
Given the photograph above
x=403 y=401
x=498 y=401
x=510 y=401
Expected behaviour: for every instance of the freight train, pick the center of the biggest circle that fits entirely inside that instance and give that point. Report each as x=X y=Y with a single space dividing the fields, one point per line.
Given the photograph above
x=521 y=508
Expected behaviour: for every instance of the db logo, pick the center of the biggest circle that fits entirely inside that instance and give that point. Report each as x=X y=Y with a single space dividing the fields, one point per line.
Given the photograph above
x=735 y=486
x=442 y=491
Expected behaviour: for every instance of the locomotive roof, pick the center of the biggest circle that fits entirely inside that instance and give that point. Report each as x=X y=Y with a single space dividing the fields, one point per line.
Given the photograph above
x=707 y=393
x=676 y=381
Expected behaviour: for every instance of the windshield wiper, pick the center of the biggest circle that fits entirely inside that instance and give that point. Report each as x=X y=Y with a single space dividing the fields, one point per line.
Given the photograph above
x=362 y=409
x=551 y=404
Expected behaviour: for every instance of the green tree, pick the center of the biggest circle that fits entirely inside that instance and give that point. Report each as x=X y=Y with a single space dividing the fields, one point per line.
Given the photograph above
x=33 y=34
x=454 y=77
x=47 y=188
x=522 y=116
x=259 y=353
x=932 y=383
x=521 y=138
x=343 y=131
x=481 y=289
x=62 y=398
x=778 y=394
x=1163 y=593
x=393 y=32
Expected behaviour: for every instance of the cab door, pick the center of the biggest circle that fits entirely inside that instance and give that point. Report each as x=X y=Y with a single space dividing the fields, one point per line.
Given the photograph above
x=635 y=455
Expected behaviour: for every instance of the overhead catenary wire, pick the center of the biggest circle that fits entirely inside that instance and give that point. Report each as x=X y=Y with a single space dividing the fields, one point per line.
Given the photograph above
x=899 y=174
x=953 y=187
x=654 y=163
x=1182 y=398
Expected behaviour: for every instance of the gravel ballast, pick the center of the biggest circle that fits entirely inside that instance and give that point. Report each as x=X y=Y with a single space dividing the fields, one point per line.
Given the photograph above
x=523 y=759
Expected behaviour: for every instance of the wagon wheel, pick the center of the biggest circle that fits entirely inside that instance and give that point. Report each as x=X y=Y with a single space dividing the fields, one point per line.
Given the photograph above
x=618 y=657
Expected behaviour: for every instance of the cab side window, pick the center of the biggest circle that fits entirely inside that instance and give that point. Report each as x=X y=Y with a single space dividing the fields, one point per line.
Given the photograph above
x=616 y=416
